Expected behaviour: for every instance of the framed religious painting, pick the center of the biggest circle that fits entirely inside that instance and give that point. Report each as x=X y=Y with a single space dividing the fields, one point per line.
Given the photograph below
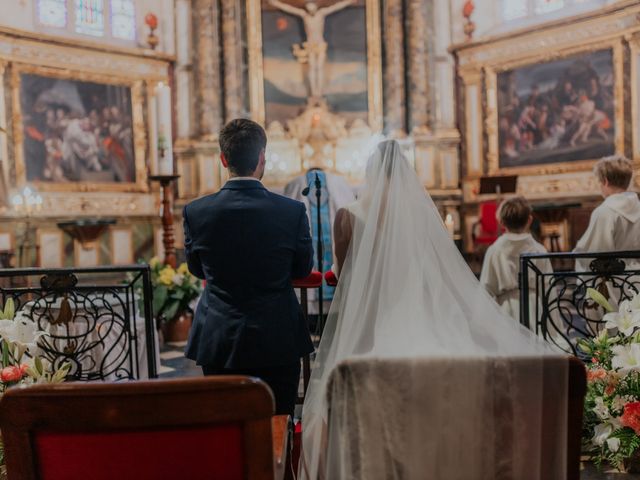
x=77 y=131
x=557 y=114
x=321 y=59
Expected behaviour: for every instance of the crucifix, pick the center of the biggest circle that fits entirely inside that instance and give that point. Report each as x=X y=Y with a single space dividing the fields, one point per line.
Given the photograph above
x=313 y=51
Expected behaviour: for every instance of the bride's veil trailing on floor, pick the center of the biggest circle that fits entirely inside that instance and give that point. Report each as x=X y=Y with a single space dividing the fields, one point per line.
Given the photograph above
x=405 y=292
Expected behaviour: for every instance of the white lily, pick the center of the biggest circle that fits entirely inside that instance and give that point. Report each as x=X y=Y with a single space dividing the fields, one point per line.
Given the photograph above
x=626 y=358
x=626 y=320
x=601 y=409
x=603 y=431
x=613 y=444
x=178 y=279
x=635 y=302
x=22 y=333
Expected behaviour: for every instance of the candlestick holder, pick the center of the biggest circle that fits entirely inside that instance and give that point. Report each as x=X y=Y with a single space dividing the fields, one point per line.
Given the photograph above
x=166 y=213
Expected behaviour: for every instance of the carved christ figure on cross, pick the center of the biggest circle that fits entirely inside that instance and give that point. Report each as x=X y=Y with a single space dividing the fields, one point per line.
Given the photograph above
x=314 y=50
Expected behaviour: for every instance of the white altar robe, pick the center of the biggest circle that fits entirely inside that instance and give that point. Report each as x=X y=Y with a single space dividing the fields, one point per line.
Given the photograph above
x=501 y=266
x=614 y=226
x=340 y=194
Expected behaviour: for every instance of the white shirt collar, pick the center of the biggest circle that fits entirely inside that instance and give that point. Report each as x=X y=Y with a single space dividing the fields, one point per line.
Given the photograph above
x=233 y=179
x=516 y=236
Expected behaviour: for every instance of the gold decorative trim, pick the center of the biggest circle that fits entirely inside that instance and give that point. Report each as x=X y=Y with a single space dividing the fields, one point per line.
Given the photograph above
x=374 y=63
x=491 y=117
x=141 y=53
x=139 y=135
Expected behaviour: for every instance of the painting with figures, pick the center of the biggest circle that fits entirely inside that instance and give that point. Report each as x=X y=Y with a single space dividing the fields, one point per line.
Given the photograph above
x=558 y=111
x=337 y=49
x=76 y=131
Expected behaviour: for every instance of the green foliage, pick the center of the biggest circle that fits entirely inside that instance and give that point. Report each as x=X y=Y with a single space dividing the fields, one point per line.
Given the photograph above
x=173 y=290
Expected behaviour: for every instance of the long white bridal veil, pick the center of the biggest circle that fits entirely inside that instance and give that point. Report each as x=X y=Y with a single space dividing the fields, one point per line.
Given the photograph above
x=455 y=408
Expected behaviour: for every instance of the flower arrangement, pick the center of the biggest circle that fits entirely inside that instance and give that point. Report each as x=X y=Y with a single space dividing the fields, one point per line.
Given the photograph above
x=173 y=289
x=611 y=431
x=20 y=363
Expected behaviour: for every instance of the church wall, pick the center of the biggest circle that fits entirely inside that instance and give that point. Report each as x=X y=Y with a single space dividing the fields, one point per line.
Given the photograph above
x=23 y=17
x=504 y=78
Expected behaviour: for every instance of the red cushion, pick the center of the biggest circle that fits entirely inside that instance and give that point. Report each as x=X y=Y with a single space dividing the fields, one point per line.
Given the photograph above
x=213 y=452
x=314 y=280
x=331 y=278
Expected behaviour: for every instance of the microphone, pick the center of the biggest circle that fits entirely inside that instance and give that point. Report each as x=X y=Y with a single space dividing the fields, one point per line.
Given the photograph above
x=305 y=190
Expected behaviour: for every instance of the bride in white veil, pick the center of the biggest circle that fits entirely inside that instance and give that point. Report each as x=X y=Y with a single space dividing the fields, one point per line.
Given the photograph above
x=406 y=293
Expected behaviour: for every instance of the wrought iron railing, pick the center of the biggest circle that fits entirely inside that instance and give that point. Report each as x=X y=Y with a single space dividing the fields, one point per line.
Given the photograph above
x=97 y=319
x=555 y=304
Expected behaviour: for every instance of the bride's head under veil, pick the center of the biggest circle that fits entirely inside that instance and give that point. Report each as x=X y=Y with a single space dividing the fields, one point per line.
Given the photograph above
x=406 y=296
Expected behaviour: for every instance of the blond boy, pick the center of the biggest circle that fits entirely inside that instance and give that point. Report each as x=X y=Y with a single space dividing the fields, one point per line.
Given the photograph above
x=502 y=260
x=615 y=223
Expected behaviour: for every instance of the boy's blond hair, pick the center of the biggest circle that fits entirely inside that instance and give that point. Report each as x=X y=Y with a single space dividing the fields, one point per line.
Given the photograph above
x=616 y=170
x=514 y=214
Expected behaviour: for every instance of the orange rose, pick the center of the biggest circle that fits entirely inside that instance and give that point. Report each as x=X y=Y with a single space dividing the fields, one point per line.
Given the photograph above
x=11 y=374
x=596 y=374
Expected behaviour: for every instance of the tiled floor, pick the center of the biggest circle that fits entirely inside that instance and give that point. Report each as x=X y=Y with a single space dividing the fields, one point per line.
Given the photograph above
x=174 y=364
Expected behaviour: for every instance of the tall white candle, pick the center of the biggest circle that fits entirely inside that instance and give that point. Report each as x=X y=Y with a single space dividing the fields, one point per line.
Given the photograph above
x=165 y=147
x=153 y=134
x=448 y=222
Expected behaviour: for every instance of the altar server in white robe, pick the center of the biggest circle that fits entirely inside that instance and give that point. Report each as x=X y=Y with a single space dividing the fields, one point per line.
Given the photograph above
x=502 y=260
x=615 y=223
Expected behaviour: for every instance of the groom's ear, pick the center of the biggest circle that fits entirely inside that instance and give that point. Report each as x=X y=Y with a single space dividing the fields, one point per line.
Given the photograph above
x=224 y=161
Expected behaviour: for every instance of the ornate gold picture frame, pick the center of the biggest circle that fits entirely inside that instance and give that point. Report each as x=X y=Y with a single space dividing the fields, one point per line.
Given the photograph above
x=373 y=58
x=492 y=119
x=137 y=166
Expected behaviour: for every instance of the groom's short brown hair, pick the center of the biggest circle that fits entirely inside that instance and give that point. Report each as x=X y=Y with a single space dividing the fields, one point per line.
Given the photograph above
x=514 y=214
x=241 y=141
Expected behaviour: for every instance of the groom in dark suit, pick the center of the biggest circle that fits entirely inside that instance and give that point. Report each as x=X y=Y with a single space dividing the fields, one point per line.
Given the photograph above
x=248 y=244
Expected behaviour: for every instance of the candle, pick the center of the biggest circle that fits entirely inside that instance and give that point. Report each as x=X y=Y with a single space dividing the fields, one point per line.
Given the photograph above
x=448 y=222
x=153 y=135
x=165 y=147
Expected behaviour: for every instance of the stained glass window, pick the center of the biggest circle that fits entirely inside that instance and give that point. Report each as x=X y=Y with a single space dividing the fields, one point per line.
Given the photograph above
x=90 y=17
x=546 y=6
x=514 y=9
x=52 y=13
x=123 y=19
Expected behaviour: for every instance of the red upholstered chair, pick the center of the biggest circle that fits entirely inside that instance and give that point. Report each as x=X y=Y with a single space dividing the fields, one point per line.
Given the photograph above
x=314 y=280
x=486 y=229
x=200 y=428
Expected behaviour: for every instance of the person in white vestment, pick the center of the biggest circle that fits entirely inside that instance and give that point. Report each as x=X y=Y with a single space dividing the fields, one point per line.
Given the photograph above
x=335 y=193
x=502 y=260
x=407 y=299
x=615 y=223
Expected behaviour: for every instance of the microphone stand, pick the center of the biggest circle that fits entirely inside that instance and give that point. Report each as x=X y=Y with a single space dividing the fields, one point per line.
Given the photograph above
x=319 y=255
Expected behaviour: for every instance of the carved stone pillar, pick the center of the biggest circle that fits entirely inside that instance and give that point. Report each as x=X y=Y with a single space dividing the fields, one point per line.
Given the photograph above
x=394 y=88
x=418 y=59
x=232 y=56
x=208 y=97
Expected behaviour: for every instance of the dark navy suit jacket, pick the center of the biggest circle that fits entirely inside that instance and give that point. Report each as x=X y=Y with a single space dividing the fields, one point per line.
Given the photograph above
x=248 y=244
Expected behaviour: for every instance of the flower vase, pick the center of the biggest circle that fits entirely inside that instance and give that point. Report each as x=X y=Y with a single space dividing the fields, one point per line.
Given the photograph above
x=177 y=329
